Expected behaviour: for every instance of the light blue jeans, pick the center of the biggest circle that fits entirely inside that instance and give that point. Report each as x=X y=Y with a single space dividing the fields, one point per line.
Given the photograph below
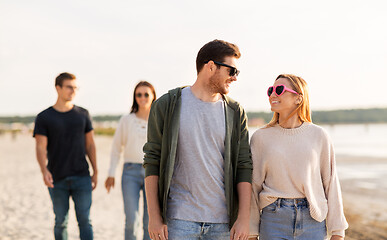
x=132 y=183
x=290 y=219
x=187 y=230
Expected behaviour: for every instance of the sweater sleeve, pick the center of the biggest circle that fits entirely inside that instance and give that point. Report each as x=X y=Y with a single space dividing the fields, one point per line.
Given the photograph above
x=118 y=142
x=257 y=181
x=336 y=222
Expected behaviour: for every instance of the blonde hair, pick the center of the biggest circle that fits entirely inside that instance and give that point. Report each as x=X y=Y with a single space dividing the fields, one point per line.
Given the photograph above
x=303 y=110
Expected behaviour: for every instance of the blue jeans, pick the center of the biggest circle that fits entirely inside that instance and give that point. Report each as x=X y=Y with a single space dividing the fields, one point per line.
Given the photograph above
x=79 y=188
x=290 y=219
x=187 y=230
x=132 y=183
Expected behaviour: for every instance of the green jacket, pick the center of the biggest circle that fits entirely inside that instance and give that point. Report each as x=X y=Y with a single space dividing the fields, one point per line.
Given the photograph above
x=160 y=149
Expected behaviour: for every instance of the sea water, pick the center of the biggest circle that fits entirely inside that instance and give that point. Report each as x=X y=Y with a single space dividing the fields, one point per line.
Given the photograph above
x=356 y=139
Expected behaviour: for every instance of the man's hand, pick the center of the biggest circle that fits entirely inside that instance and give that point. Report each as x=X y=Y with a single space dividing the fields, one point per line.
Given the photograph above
x=337 y=237
x=94 y=180
x=240 y=230
x=109 y=183
x=47 y=178
x=157 y=229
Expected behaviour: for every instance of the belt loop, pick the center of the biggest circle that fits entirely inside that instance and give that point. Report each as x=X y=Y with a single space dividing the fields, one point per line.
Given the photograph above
x=279 y=202
x=295 y=202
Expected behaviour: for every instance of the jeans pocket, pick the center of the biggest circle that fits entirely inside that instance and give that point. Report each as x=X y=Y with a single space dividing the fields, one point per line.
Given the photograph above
x=128 y=166
x=271 y=207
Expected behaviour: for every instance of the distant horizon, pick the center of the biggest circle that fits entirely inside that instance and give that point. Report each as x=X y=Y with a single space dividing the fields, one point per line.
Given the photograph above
x=258 y=111
x=128 y=110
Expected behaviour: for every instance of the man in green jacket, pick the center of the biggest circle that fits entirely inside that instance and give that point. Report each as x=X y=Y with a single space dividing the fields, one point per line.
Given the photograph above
x=197 y=158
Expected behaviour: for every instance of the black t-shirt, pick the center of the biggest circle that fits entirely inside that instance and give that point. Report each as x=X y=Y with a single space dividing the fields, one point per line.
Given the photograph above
x=65 y=132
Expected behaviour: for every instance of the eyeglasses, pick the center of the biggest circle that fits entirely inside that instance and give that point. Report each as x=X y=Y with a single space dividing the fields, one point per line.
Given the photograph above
x=279 y=90
x=73 y=88
x=140 y=95
x=233 y=70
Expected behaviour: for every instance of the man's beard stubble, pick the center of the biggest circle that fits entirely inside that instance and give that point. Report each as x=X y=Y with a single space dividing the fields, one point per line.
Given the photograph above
x=215 y=85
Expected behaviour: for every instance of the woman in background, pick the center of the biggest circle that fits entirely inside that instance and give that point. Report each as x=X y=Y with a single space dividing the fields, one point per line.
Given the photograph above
x=295 y=183
x=130 y=136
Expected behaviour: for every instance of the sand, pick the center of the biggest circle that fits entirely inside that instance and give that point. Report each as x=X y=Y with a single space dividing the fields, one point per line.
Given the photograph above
x=25 y=205
x=26 y=208
x=364 y=187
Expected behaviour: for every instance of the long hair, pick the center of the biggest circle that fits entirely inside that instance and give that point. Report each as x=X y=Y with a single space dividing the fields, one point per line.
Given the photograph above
x=134 y=108
x=303 y=109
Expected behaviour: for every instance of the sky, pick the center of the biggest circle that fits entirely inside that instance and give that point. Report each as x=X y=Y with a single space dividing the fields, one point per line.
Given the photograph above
x=338 y=47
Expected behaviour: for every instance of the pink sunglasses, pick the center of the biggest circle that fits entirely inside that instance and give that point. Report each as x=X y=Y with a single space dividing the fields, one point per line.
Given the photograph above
x=279 y=90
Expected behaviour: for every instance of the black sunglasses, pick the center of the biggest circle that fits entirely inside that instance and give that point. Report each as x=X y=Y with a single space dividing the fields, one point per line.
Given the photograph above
x=140 y=95
x=233 y=70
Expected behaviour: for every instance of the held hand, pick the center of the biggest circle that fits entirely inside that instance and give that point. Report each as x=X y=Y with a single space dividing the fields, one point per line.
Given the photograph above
x=157 y=229
x=47 y=178
x=109 y=183
x=337 y=237
x=94 y=180
x=240 y=230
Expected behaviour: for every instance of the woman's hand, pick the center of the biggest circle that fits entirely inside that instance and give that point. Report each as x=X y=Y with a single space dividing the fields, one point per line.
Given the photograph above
x=109 y=183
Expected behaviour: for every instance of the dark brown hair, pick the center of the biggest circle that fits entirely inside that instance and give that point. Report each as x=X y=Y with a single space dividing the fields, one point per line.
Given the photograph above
x=134 y=108
x=63 y=76
x=216 y=50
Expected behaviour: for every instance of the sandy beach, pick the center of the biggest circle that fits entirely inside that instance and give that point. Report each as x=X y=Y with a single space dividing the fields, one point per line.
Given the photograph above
x=364 y=187
x=26 y=209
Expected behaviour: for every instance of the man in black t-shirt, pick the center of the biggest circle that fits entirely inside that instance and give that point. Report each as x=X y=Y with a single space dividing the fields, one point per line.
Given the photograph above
x=64 y=136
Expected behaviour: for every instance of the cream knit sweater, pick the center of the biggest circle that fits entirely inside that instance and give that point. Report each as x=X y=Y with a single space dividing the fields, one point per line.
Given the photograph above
x=296 y=163
x=130 y=137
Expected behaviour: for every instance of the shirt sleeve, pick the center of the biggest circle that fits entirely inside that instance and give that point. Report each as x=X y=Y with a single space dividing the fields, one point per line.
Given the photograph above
x=40 y=126
x=89 y=125
x=336 y=222
x=118 y=143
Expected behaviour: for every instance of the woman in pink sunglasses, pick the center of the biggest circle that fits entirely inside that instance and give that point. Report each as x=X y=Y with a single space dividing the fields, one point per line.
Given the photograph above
x=296 y=191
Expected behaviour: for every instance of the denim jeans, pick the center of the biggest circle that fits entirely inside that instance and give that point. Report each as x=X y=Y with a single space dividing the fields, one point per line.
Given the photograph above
x=132 y=183
x=188 y=230
x=290 y=219
x=79 y=188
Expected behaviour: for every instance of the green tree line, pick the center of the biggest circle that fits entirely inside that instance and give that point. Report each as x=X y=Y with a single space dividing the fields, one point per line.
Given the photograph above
x=371 y=115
